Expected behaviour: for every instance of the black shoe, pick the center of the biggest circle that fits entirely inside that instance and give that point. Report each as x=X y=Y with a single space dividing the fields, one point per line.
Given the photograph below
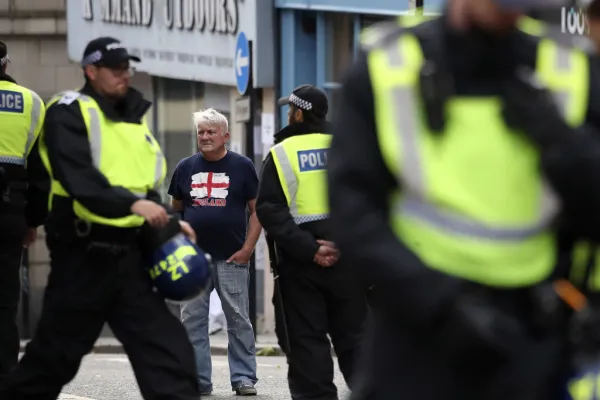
x=247 y=389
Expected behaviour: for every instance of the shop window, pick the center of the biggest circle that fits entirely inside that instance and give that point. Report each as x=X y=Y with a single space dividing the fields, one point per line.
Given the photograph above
x=339 y=45
x=339 y=53
x=175 y=102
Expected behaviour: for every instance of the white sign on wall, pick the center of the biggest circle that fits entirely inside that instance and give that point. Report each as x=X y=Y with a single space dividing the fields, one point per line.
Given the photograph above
x=268 y=128
x=181 y=39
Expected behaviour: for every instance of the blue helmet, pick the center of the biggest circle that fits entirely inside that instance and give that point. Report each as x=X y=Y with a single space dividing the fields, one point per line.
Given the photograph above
x=582 y=383
x=179 y=269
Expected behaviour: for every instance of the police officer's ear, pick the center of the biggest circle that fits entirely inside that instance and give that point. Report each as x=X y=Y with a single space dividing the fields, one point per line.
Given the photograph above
x=298 y=115
x=90 y=72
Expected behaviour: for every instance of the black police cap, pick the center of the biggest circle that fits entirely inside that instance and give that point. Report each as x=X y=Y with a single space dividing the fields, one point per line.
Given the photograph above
x=307 y=98
x=106 y=51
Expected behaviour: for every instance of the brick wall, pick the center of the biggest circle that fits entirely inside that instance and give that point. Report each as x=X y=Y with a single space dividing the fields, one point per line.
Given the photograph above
x=35 y=33
x=42 y=64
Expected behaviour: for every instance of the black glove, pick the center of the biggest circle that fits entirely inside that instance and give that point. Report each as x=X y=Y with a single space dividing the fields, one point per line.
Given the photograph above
x=475 y=331
x=3 y=179
x=530 y=108
x=584 y=336
x=151 y=238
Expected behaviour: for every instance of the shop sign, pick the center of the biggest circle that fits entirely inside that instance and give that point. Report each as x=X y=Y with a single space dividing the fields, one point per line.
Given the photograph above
x=184 y=39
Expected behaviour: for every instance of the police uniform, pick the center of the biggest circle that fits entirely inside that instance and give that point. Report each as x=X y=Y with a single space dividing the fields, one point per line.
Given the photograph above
x=442 y=198
x=102 y=158
x=23 y=196
x=314 y=301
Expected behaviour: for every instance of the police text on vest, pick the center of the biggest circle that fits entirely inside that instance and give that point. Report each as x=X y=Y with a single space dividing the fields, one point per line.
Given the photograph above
x=11 y=101
x=312 y=160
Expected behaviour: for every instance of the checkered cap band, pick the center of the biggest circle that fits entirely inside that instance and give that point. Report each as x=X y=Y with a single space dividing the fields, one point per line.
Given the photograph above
x=302 y=104
x=92 y=58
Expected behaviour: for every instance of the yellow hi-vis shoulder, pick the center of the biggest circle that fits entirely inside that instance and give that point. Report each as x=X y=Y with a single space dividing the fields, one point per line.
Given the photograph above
x=125 y=153
x=585 y=252
x=473 y=203
x=301 y=163
x=22 y=118
x=532 y=26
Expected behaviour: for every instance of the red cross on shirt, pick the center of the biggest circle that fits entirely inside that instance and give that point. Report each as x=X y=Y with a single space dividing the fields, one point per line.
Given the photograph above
x=210 y=185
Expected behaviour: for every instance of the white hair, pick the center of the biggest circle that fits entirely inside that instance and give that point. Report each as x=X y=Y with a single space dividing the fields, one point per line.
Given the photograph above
x=211 y=117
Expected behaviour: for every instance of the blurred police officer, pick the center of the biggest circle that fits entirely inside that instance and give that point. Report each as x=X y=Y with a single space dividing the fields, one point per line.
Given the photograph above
x=104 y=164
x=435 y=185
x=319 y=296
x=23 y=202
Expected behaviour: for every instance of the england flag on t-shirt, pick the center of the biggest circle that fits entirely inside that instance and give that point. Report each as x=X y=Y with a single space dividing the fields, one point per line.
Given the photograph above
x=210 y=185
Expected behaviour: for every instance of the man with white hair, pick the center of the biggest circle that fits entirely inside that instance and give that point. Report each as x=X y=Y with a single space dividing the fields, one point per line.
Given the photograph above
x=213 y=190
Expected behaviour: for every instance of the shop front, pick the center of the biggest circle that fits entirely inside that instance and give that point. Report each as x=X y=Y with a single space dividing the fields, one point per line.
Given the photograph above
x=320 y=38
x=188 y=50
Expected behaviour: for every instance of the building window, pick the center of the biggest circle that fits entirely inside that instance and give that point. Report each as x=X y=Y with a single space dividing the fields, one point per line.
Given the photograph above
x=341 y=37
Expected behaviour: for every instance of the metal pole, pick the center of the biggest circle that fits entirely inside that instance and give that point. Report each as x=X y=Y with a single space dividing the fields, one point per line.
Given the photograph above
x=250 y=153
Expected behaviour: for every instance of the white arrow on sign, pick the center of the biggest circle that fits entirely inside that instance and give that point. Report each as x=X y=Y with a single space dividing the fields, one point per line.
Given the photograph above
x=241 y=62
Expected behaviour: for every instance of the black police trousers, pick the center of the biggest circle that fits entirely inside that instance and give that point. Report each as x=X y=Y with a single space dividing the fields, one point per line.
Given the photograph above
x=399 y=361
x=10 y=293
x=13 y=228
x=315 y=302
x=91 y=284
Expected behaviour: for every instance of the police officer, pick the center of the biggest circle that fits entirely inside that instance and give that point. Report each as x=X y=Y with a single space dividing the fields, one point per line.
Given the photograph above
x=23 y=202
x=318 y=295
x=435 y=185
x=104 y=164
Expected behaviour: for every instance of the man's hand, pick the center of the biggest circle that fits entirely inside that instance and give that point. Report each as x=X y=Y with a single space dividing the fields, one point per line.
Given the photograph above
x=153 y=213
x=30 y=237
x=241 y=256
x=188 y=230
x=327 y=254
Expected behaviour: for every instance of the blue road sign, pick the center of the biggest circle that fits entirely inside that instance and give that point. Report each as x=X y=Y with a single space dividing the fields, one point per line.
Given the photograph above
x=241 y=62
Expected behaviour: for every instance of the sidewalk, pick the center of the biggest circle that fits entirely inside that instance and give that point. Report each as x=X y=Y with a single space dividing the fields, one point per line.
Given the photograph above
x=266 y=345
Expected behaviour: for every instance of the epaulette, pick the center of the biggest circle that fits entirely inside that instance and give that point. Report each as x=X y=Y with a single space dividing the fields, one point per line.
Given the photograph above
x=582 y=43
x=68 y=97
x=543 y=30
x=378 y=34
x=576 y=42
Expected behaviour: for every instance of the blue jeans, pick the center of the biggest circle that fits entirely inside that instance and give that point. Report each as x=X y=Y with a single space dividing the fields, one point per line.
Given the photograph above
x=231 y=282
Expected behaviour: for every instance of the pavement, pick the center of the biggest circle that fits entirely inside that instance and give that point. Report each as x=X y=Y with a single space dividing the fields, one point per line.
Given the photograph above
x=109 y=377
x=266 y=345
